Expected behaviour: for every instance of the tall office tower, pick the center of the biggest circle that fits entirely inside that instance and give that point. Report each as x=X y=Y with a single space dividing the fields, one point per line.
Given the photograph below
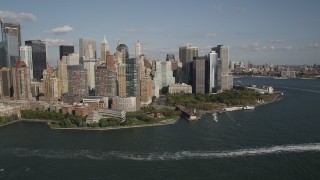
x=65 y=50
x=71 y=59
x=176 y=67
x=110 y=62
x=138 y=49
x=163 y=75
x=87 y=48
x=123 y=49
x=106 y=82
x=77 y=81
x=63 y=77
x=212 y=69
x=51 y=83
x=225 y=78
x=170 y=57
x=6 y=87
x=146 y=91
x=104 y=49
x=11 y=41
x=21 y=82
x=121 y=79
x=199 y=73
x=39 y=57
x=89 y=66
x=26 y=56
x=186 y=54
x=131 y=77
x=118 y=57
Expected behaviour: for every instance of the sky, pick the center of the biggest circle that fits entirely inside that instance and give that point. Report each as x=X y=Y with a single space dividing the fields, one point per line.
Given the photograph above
x=261 y=31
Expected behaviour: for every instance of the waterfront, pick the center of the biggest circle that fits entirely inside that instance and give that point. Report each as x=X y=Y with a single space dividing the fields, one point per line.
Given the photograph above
x=280 y=140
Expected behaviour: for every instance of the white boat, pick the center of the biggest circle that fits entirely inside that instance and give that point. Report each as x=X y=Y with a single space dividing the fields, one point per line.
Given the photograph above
x=248 y=107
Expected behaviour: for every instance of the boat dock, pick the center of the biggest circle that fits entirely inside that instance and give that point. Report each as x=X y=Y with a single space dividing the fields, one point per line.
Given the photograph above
x=188 y=113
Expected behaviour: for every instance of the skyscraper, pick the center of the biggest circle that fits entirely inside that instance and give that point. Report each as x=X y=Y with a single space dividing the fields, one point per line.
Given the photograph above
x=21 y=82
x=26 y=56
x=138 y=49
x=39 y=57
x=77 y=81
x=106 y=82
x=225 y=78
x=199 y=73
x=131 y=77
x=11 y=41
x=6 y=87
x=186 y=54
x=65 y=50
x=85 y=44
x=123 y=49
x=163 y=74
x=212 y=69
x=104 y=49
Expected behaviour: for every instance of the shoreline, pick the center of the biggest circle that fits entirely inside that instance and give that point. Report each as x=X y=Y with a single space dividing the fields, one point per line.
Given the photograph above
x=276 y=99
x=166 y=122
x=48 y=122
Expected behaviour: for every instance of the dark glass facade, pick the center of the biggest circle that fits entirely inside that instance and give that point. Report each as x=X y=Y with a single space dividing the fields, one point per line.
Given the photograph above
x=65 y=50
x=39 y=57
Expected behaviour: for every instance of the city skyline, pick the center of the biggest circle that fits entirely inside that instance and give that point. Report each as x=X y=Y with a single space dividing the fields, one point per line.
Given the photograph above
x=280 y=32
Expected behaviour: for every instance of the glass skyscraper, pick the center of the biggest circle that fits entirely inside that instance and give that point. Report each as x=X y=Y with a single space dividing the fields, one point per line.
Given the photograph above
x=9 y=47
x=39 y=57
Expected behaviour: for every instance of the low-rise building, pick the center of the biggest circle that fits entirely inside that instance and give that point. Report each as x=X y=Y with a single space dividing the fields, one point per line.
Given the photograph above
x=180 y=88
x=104 y=112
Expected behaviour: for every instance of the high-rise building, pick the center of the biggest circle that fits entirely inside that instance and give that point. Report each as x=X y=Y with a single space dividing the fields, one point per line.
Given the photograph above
x=87 y=48
x=138 y=49
x=199 y=73
x=39 y=57
x=212 y=68
x=26 y=56
x=77 y=81
x=51 y=85
x=121 y=79
x=186 y=54
x=89 y=66
x=124 y=51
x=131 y=77
x=21 y=82
x=11 y=41
x=71 y=59
x=106 y=82
x=104 y=49
x=63 y=77
x=65 y=50
x=146 y=91
x=225 y=78
x=163 y=75
x=6 y=87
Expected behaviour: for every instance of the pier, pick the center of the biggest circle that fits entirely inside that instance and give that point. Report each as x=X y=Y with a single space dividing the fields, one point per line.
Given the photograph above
x=188 y=113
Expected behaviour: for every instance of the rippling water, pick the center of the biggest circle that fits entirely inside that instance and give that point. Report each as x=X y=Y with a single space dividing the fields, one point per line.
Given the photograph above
x=275 y=141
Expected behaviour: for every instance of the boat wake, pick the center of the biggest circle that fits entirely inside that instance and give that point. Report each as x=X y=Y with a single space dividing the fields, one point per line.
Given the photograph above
x=158 y=156
x=215 y=117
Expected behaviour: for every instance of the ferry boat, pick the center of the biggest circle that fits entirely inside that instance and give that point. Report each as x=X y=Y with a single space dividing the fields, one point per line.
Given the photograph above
x=248 y=107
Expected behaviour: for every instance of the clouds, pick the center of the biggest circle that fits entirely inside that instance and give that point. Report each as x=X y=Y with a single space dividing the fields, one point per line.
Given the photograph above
x=256 y=47
x=54 y=42
x=62 y=30
x=18 y=17
x=315 y=46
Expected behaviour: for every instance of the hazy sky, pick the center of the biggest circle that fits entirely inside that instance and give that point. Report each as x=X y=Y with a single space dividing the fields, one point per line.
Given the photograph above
x=277 y=31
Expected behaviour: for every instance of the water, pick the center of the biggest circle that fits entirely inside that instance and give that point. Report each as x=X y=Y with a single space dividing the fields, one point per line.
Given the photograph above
x=275 y=141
